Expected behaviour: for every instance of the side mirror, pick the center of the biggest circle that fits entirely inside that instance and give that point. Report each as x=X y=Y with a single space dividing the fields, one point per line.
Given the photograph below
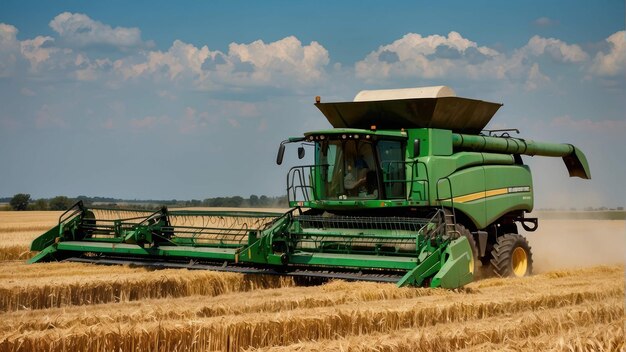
x=300 y=152
x=416 y=148
x=281 y=153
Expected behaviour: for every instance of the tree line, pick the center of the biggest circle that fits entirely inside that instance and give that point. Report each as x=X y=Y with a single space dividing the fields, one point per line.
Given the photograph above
x=23 y=201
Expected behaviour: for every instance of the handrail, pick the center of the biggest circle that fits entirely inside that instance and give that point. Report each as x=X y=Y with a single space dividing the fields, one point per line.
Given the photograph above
x=446 y=178
x=411 y=181
x=297 y=182
x=78 y=204
x=297 y=173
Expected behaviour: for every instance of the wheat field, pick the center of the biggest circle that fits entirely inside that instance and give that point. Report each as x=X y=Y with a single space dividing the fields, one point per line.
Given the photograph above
x=84 y=307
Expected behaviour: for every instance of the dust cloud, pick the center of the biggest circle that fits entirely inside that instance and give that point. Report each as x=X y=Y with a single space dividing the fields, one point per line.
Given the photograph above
x=575 y=243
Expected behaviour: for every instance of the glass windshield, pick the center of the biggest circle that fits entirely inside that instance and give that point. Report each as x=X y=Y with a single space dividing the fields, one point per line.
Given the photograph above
x=391 y=154
x=348 y=169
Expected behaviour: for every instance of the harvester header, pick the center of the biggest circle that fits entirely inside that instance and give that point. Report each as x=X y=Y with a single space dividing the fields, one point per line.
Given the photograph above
x=404 y=188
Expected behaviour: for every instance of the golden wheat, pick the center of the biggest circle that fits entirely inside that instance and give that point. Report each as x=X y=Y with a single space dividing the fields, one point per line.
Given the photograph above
x=288 y=326
x=527 y=330
x=106 y=286
x=19 y=228
x=285 y=328
x=194 y=307
x=15 y=253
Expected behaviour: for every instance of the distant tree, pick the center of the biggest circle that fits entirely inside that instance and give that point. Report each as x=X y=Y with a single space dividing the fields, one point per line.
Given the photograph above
x=40 y=204
x=216 y=202
x=60 y=203
x=235 y=201
x=254 y=200
x=20 y=201
x=86 y=200
x=264 y=201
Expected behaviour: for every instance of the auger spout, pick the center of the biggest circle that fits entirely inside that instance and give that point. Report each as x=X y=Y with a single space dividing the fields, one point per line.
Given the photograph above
x=574 y=158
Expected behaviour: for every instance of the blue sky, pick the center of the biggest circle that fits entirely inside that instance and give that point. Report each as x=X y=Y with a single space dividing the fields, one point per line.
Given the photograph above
x=190 y=99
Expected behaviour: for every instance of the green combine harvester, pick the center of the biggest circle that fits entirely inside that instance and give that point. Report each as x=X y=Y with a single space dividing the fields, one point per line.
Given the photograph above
x=407 y=187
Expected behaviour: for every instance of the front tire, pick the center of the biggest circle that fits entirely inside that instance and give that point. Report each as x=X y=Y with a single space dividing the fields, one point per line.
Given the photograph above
x=511 y=256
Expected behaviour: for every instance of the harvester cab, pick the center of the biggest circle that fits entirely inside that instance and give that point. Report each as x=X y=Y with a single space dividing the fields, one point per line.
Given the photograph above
x=404 y=188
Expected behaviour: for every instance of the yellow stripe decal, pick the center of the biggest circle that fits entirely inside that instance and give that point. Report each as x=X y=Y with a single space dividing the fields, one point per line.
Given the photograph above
x=490 y=193
x=496 y=192
x=480 y=195
x=469 y=197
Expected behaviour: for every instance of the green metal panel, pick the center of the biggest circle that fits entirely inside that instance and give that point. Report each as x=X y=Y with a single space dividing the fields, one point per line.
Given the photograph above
x=432 y=141
x=441 y=142
x=136 y=250
x=425 y=269
x=353 y=260
x=468 y=189
x=511 y=189
x=455 y=271
x=45 y=240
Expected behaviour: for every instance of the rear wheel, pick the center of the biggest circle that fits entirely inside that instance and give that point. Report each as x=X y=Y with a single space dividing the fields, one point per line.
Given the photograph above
x=511 y=256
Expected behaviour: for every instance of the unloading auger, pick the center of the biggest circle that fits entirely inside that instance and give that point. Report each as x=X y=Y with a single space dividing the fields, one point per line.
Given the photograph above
x=405 y=188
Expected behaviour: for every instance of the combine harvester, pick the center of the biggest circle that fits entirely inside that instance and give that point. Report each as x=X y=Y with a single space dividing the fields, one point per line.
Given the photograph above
x=407 y=187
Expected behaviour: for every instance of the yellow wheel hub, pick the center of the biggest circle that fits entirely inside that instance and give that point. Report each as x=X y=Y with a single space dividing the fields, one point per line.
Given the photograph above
x=519 y=261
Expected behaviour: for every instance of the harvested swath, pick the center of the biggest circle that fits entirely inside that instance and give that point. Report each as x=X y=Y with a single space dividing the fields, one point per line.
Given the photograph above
x=597 y=337
x=63 y=284
x=52 y=272
x=530 y=331
x=16 y=252
x=107 y=286
x=196 y=307
x=284 y=328
x=273 y=300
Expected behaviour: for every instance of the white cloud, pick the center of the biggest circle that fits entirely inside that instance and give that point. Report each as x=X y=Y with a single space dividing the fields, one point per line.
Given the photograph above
x=556 y=49
x=91 y=70
x=456 y=57
x=282 y=63
x=9 y=49
x=433 y=56
x=80 y=30
x=288 y=63
x=37 y=50
x=285 y=58
x=612 y=63
x=180 y=58
x=536 y=79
